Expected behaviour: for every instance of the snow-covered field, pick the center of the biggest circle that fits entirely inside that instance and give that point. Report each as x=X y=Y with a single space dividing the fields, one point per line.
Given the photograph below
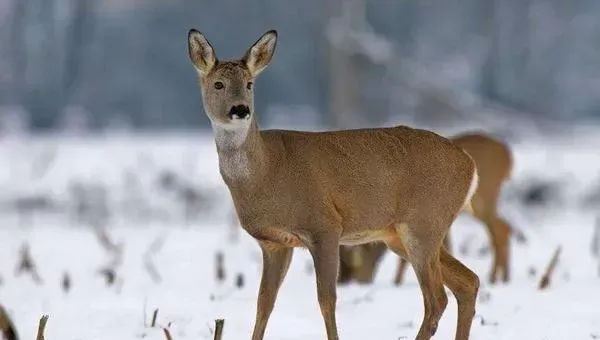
x=189 y=297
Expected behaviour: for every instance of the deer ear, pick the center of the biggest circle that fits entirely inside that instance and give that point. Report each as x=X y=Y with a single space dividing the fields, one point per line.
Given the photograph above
x=201 y=52
x=260 y=54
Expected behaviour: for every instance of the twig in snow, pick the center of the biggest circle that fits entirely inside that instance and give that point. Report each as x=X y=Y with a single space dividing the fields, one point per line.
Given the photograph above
x=545 y=281
x=219 y=323
x=239 y=281
x=66 y=282
x=220 y=267
x=154 y=248
x=154 y=316
x=167 y=333
x=7 y=328
x=26 y=264
x=109 y=274
x=42 y=327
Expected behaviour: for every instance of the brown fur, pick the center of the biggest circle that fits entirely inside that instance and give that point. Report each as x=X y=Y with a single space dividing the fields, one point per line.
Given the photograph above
x=494 y=164
x=319 y=190
x=7 y=329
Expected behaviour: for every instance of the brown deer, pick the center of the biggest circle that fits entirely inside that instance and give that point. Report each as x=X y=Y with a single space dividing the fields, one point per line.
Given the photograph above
x=398 y=185
x=494 y=165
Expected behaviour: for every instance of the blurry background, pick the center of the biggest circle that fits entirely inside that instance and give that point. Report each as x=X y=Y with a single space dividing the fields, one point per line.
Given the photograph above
x=102 y=125
x=101 y=64
x=99 y=103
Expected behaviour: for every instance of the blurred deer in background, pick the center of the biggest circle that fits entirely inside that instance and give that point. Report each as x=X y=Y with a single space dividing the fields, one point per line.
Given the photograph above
x=494 y=164
x=398 y=185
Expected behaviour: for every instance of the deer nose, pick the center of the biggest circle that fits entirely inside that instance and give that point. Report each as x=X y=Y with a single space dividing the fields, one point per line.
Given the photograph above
x=239 y=112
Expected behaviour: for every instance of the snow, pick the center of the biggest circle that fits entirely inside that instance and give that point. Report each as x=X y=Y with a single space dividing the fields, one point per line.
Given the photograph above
x=189 y=298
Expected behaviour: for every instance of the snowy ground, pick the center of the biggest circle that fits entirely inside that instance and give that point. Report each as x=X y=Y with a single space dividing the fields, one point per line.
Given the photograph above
x=189 y=298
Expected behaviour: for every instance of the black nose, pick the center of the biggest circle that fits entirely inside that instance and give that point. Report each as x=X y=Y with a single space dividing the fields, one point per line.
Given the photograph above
x=239 y=111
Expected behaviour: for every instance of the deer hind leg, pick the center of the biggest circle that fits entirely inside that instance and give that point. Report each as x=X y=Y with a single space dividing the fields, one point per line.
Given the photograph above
x=423 y=253
x=371 y=254
x=499 y=234
x=402 y=263
x=276 y=262
x=502 y=232
x=464 y=284
x=325 y=251
x=400 y=270
x=347 y=258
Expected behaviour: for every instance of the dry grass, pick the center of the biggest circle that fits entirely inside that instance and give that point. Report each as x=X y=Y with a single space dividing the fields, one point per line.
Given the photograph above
x=42 y=327
x=219 y=324
x=545 y=281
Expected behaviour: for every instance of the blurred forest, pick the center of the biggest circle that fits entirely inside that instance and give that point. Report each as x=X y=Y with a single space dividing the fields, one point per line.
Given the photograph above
x=123 y=63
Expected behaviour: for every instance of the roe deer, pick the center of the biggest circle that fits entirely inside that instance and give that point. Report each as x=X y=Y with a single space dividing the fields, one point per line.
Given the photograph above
x=318 y=190
x=494 y=165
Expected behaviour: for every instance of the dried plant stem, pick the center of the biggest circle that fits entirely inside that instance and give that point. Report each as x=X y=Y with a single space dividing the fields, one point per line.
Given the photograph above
x=42 y=327
x=154 y=315
x=167 y=334
x=219 y=323
x=545 y=281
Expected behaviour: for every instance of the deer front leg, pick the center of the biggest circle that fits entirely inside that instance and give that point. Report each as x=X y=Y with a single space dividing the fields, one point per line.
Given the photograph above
x=325 y=252
x=276 y=262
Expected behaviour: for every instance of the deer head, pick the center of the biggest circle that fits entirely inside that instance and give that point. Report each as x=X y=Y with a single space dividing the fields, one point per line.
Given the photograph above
x=228 y=86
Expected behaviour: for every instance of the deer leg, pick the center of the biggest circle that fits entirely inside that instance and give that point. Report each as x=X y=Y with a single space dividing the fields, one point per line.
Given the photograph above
x=276 y=262
x=503 y=231
x=428 y=272
x=326 y=257
x=426 y=265
x=345 y=269
x=400 y=270
x=464 y=284
x=499 y=234
x=402 y=263
x=372 y=254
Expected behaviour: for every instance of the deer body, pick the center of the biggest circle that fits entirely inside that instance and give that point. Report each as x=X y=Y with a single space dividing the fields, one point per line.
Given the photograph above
x=318 y=190
x=301 y=176
x=494 y=165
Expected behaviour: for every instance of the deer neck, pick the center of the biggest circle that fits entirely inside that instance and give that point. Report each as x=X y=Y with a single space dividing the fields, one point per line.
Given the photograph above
x=241 y=151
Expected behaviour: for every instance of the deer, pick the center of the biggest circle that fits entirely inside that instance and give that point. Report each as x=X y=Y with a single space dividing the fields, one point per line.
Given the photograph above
x=494 y=164
x=318 y=190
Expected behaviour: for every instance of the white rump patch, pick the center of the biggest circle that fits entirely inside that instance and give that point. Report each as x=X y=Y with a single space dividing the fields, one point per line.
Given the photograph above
x=472 y=189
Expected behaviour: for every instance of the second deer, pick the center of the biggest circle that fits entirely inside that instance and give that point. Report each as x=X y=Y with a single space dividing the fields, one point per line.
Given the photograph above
x=494 y=164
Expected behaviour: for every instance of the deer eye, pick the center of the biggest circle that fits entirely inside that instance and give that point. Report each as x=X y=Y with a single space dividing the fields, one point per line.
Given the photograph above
x=249 y=85
x=219 y=85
